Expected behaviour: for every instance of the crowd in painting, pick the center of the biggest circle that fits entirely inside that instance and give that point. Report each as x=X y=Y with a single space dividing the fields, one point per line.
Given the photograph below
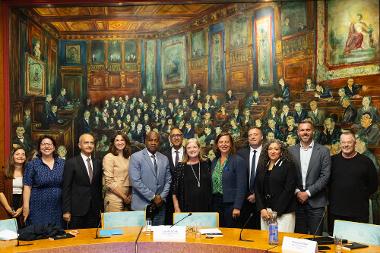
x=197 y=152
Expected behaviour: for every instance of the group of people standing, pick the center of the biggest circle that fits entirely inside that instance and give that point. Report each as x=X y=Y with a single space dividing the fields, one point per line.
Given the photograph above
x=248 y=184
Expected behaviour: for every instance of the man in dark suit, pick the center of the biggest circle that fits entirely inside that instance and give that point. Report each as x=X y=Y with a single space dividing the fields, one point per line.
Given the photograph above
x=313 y=165
x=175 y=155
x=82 y=187
x=251 y=157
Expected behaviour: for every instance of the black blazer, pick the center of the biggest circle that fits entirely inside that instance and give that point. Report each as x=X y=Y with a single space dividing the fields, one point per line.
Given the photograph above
x=77 y=192
x=244 y=153
x=282 y=184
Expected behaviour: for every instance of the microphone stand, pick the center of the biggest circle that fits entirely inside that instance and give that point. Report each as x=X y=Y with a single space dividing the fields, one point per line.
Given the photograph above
x=245 y=224
x=100 y=223
x=137 y=239
x=320 y=223
x=182 y=219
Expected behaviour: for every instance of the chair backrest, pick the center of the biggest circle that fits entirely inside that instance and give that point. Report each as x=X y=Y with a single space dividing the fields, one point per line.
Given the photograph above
x=357 y=232
x=200 y=219
x=10 y=224
x=123 y=219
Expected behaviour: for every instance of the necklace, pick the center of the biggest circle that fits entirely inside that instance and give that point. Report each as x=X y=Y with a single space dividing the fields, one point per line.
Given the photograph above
x=199 y=174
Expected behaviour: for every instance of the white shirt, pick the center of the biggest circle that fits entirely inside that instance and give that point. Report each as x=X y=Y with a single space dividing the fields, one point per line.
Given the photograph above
x=84 y=157
x=17 y=185
x=180 y=154
x=258 y=152
x=305 y=155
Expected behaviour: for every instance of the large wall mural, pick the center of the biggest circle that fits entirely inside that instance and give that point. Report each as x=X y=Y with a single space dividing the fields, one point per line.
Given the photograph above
x=225 y=69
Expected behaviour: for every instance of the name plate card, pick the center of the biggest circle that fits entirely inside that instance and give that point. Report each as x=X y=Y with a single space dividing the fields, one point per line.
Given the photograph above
x=169 y=234
x=295 y=245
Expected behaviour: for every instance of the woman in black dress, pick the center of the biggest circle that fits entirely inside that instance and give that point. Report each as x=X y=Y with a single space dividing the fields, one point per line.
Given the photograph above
x=192 y=181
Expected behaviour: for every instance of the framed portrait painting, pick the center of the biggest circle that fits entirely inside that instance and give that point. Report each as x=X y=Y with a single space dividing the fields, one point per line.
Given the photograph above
x=72 y=53
x=35 y=76
x=352 y=33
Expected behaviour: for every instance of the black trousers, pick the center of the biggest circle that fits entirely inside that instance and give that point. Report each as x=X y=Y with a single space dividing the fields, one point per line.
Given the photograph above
x=225 y=212
x=90 y=220
x=247 y=209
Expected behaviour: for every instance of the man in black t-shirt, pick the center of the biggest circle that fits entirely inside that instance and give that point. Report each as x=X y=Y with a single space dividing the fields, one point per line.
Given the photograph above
x=353 y=180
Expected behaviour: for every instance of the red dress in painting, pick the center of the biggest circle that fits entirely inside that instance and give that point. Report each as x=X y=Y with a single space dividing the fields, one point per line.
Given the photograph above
x=355 y=36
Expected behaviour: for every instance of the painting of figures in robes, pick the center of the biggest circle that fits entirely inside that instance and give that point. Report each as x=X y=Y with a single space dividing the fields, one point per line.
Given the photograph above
x=97 y=52
x=217 y=61
x=150 y=74
x=198 y=44
x=264 y=51
x=353 y=32
x=293 y=17
x=173 y=62
x=239 y=32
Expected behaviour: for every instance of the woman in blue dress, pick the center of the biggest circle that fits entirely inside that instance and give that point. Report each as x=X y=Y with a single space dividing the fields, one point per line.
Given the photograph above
x=43 y=186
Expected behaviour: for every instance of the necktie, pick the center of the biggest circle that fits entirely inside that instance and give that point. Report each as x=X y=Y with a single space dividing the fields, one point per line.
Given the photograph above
x=176 y=157
x=252 y=177
x=155 y=164
x=90 y=171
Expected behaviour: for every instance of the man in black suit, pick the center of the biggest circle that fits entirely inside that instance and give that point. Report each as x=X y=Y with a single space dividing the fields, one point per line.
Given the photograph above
x=251 y=156
x=175 y=155
x=82 y=187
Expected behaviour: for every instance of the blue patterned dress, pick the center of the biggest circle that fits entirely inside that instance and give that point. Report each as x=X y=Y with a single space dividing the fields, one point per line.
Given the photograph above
x=46 y=197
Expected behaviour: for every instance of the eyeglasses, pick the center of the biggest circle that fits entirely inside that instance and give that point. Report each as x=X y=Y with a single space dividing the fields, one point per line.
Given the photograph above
x=176 y=135
x=46 y=144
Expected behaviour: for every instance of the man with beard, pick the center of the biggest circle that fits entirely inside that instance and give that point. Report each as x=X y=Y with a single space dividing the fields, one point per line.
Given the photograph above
x=175 y=155
x=313 y=165
x=251 y=156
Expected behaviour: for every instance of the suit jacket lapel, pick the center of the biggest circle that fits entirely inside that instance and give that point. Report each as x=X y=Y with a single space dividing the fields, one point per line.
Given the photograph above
x=148 y=160
x=83 y=167
x=298 y=161
x=313 y=159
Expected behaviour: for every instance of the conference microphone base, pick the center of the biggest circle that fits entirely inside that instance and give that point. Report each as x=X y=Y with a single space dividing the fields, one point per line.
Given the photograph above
x=102 y=237
x=245 y=240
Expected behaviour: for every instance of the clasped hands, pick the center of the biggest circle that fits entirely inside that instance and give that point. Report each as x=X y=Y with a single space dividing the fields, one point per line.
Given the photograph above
x=158 y=201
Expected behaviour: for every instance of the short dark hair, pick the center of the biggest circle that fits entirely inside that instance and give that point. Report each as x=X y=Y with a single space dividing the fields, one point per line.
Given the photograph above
x=52 y=140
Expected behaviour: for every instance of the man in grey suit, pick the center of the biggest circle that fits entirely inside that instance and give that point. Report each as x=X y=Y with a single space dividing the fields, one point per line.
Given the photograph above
x=313 y=164
x=149 y=171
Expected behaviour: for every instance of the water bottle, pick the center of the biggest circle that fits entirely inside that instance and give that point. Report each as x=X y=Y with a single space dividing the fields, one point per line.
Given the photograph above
x=273 y=229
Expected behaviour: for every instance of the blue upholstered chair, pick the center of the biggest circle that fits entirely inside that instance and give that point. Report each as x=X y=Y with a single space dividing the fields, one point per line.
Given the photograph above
x=123 y=219
x=10 y=224
x=357 y=232
x=200 y=219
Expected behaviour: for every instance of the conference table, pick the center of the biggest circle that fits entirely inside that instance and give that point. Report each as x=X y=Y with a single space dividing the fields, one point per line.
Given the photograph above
x=85 y=241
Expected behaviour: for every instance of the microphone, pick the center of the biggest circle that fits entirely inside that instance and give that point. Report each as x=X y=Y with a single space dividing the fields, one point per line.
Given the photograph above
x=99 y=224
x=182 y=219
x=245 y=224
x=321 y=240
x=137 y=239
x=18 y=239
x=320 y=223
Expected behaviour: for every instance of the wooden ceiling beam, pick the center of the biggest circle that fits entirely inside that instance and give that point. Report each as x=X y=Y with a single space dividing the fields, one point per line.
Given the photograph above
x=117 y=17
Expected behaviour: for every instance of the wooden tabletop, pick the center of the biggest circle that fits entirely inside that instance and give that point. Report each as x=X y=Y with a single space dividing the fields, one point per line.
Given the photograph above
x=85 y=242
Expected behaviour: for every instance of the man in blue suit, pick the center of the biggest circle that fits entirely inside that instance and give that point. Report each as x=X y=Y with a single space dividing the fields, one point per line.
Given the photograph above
x=150 y=176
